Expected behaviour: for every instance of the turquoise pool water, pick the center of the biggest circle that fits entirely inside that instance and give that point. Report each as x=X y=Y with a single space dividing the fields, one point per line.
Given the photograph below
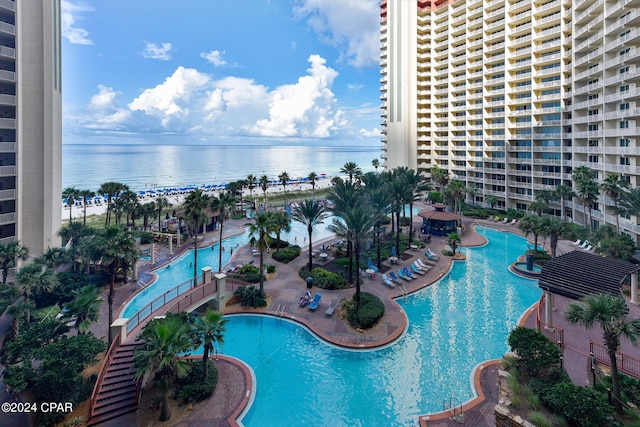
x=180 y=270
x=453 y=325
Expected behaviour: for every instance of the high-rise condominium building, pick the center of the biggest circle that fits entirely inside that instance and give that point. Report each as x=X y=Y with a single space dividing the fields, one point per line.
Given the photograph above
x=30 y=123
x=510 y=96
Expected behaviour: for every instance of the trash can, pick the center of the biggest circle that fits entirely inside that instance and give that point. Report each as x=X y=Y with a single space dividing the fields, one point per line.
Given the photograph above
x=309 y=282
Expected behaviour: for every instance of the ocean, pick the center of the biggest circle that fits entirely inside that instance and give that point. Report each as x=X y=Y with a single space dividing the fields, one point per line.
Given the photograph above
x=87 y=166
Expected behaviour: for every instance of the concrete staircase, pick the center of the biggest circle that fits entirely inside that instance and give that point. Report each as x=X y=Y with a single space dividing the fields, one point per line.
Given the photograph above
x=117 y=393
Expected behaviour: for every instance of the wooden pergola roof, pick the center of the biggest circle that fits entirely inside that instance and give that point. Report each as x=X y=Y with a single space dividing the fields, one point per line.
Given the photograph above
x=576 y=274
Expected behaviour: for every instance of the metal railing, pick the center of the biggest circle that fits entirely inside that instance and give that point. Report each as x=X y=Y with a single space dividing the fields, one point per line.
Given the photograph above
x=628 y=364
x=105 y=367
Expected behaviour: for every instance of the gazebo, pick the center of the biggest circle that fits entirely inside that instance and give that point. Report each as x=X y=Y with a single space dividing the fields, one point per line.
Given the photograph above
x=577 y=273
x=438 y=222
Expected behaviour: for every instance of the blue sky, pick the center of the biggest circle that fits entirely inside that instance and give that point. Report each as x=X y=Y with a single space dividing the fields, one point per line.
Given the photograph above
x=221 y=71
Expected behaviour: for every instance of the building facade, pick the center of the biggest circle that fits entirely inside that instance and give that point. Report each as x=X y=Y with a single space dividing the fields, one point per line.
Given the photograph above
x=510 y=96
x=30 y=123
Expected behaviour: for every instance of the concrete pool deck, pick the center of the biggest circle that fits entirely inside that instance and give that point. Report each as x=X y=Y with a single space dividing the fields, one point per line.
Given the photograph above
x=287 y=287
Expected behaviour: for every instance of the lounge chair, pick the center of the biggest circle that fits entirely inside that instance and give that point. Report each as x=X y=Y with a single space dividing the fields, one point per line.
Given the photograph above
x=584 y=244
x=371 y=266
x=422 y=265
x=417 y=270
x=315 y=302
x=332 y=308
x=504 y=221
x=404 y=276
x=408 y=273
x=514 y=221
x=588 y=248
x=393 y=276
x=387 y=281
x=576 y=243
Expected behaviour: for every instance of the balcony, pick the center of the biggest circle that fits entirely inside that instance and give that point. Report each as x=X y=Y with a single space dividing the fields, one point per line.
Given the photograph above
x=7 y=194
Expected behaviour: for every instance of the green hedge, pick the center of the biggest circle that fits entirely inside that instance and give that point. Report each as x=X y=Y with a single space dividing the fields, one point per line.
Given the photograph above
x=250 y=297
x=536 y=351
x=193 y=388
x=287 y=254
x=371 y=310
x=249 y=273
x=323 y=279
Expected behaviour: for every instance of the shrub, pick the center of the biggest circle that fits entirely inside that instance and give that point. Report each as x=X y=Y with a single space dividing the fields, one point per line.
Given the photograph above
x=580 y=406
x=271 y=268
x=371 y=310
x=250 y=297
x=145 y=237
x=249 y=273
x=286 y=255
x=193 y=388
x=535 y=350
x=323 y=279
x=540 y=257
x=539 y=420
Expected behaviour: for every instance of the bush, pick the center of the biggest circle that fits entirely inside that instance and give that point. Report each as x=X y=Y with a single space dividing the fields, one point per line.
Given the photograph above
x=535 y=350
x=193 y=388
x=371 y=310
x=323 y=279
x=270 y=268
x=250 y=296
x=476 y=213
x=580 y=406
x=286 y=255
x=145 y=237
x=249 y=273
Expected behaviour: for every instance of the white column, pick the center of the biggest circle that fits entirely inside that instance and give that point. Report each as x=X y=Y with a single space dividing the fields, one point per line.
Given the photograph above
x=206 y=275
x=548 y=309
x=153 y=253
x=221 y=291
x=170 y=244
x=135 y=271
x=634 y=288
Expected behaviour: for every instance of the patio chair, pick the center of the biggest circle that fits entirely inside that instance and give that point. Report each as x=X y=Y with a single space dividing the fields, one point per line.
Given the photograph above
x=315 y=302
x=393 y=276
x=514 y=221
x=576 y=243
x=332 y=308
x=407 y=273
x=404 y=276
x=387 y=281
x=584 y=244
x=416 y=269
x=422 y=265
x=588 y=248
x=504 y=221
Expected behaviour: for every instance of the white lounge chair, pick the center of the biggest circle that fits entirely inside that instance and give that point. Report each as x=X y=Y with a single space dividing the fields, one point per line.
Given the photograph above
x=504 y=221
x=387 y=281
x=576 y=243
x=584 y=244
x=422 y=265
x=514 y=221
x=588 y=248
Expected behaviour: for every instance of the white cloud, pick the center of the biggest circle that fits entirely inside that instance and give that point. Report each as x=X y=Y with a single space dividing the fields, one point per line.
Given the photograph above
x=373 y=133
x=350 y=25
x=305 y=108
x=69 y=30
x=103 y=111
x=215 y=57
x=155 y=51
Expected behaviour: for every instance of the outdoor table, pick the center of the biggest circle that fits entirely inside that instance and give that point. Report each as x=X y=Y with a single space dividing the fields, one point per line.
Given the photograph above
x=371 y=273
x=393 y=259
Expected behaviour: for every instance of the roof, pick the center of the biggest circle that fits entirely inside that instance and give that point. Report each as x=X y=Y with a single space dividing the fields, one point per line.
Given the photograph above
x=577 y=273
x=439 y=215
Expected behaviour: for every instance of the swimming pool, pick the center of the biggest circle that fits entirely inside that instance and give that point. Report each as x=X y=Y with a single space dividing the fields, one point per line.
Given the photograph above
x=453 y=325
x=180 y=270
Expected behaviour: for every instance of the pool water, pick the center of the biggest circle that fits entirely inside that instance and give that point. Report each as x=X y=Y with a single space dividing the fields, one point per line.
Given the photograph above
x=454 y=325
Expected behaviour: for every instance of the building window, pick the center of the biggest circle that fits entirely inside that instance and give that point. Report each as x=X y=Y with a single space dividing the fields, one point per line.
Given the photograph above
x=593 y=127
x=624 y=142
x=594 y=112
x=593 y=159
x=624 y=70
x=624 y=88
x=624 y=106
x=625 y=161
x=624 y=124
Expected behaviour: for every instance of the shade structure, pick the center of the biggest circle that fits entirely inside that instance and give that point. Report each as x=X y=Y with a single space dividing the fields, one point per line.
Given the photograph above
x=439 y=222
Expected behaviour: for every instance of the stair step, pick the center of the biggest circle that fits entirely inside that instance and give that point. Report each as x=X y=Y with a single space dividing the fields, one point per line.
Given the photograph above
x=117 y=381
x=107 y=394
x=114 y=407
x=120 y=367
x=110 y=415
x=126 y=398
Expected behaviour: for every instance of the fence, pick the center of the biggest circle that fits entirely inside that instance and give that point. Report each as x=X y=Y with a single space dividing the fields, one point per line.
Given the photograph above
x=630 y=365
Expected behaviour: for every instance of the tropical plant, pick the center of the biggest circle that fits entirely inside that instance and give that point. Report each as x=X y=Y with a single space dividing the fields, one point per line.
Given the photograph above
x=264 y=185
x=534 y=349
x=610 y=313
x=33 y=279
x=530 y=224
x=415 y=185
x=456 y=189
x=84 y=308
x=111 y=189
x=539 y=206
x=439 y=176
x=376 y=164
x=312 y=178
x=195 y=213
x=148 y=211
x=71 y=194
x=491 y=200
x=18 y=311
x=619 y=246
x=162 y=356
x=564 y=193
x=471 y=190
x=86 y=195
x=259 y=230
x=210 y=328
x=162 y=203
x=613 y=186
x=553 y=228
x=72 y=235
x=10 y=253
x=284 y=180
x=222 y=204
x=252 y=182
x=352 y=170
x=629 y=203
x=309 y=213
x=280 y=222
x=586 y=188
x=378 y=201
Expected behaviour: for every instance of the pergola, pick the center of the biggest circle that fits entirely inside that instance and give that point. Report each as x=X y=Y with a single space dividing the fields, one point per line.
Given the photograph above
x=439 y=222
x=577 y=273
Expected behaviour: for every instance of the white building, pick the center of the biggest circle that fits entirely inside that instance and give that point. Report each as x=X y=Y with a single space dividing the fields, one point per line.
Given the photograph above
x=510 y=95
x=30 y=123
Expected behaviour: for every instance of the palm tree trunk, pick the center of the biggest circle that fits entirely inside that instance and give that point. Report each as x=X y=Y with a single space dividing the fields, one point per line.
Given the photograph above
x=350 y=249
x=357 y=252
x=410 y=221
x=164 y=407
x=114 y=267
x=310 y=231
x=615 y=380
x=261 y=267
x=378 y=245
x=398 y=232
x=195 y=253
x=615 y=206
x=205 y=365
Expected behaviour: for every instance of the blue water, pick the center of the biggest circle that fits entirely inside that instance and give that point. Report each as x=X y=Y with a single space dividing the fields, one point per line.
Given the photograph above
x=180 y=270
x=145 y=166
x=453 y=325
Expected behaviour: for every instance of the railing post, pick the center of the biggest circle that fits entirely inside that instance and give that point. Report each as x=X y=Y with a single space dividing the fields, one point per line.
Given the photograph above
x=221 y=291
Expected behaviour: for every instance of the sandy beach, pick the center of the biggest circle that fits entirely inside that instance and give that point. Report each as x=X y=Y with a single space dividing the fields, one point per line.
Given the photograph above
x=99 y=209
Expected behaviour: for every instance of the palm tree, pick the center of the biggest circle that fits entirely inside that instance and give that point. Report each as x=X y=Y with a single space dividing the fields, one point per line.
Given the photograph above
x=195 y=205
x=210 y=327
x=162 y=203
x=354 y=225
x=313 y=177
x=280 y=222
x=456 y=188
x=284 y=180
x=352 y=170
x=376 y=164
x=588 y=193
x=259 y=230
x=538 y=206
x=564 y=193
x=530 y=224
x=148 y=211
x=583 y=179
x=471 y=190
x=73 y=233
x=53 y=257
x=86 y=195
x=491 y=200
x=85 y=307
x=345 y=195
x=553 y=228
x=33 y=279
x=610 y=313
x=161 y=357
x=453 y=240
x=612 y=186
x=251 y=184
x=71 y=194
x=439 y=176
x=10 y=253
x=378 y=201
x=398 y=196
x=18 y=311
x=310 y=213
x=264 y=186
x=111 y=189
x=415 y=185
x=221 y=204
x=115 y=247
